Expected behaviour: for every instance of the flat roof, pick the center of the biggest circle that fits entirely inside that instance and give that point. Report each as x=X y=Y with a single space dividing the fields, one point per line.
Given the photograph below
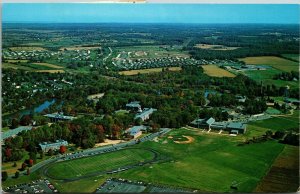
x=135 y=129
x=236 y=125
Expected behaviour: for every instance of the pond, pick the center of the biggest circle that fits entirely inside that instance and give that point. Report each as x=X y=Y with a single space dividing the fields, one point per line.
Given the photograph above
x=38 y=109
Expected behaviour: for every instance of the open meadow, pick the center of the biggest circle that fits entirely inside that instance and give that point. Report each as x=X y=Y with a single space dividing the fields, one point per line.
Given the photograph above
x=215 y=71
x=204 y=163
x=267 y=77
x=276 y=62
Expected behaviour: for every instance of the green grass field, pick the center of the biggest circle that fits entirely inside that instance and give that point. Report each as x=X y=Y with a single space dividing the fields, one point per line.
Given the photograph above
x=276 y=62
x=281 y=123
x=103 y=162
x=267 y=77
x=292 y=56
x=209 y=163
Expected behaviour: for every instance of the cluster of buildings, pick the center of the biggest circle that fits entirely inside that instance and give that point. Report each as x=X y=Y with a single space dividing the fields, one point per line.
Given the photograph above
x=210 y=123
x=143 y=114
x=129 y=64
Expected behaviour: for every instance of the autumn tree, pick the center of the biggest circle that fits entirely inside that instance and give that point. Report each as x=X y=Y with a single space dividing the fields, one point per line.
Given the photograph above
x=62 y=149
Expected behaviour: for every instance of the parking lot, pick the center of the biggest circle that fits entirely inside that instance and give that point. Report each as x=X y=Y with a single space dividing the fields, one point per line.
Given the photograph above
x=113 y=185
x=38 y=186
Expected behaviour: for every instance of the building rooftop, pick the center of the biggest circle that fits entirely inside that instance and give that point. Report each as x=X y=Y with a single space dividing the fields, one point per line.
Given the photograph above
x=146 y=111
x=134 y=104
x=236 y=125
x=59 y=116
x=135 y=129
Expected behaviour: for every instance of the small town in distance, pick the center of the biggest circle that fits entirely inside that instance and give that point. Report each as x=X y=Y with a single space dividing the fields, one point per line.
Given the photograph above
x=108 y=107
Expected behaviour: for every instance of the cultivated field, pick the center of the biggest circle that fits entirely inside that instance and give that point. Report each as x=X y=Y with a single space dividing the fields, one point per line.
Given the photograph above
x=27 y=48
x=292 y=56
x=215 y=71
x=99 y=163
x=267 y=77
x=210 y=163
x=215 y=47
x=80 y=47
x=17 y=61
x=152 y=70
x=283 y=176
x=51 y=71
x=48 y=65
x=276 y=62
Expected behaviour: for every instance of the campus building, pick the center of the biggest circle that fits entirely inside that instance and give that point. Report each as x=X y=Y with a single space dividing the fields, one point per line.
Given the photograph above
x=46 y=146
x=54 y=117
x=136 y=131
x=134 y=106
x=145 y=114
x=210 y=123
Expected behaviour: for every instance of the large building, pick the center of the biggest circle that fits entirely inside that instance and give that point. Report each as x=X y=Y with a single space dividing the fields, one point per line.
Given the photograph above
x=136 y=131
x=210 y=123
x=59 y=117
x=145 y=114
x=134 y=106
x=46 y=146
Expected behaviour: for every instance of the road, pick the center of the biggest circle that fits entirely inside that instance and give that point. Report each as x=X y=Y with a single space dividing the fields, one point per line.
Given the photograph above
x=104 y=59
x=13 y=132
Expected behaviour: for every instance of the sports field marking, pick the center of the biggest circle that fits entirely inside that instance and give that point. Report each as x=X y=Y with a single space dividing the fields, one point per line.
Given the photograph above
x=189 y=140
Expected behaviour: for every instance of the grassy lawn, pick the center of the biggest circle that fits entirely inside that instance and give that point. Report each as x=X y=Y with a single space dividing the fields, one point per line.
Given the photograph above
x=276 y=62
x=215 y=71
x=88 y=185
x=8 y=166
x=152 y=70
x=210 y=163
x=108 y=161
x=278 y=123
x=267 y=77
x=292 y=56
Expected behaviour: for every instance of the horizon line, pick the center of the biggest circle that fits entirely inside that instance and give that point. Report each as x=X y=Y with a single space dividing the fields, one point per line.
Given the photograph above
x=55 y=22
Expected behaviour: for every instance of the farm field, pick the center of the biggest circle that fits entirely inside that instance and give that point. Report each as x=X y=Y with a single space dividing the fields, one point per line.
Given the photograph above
x=276 y=62
x=98 y=163
x=48 y=65
x=210 y=163
x=283 y=176
x=267 y=77
x=215 y=71
x=21 y=48
x=80 y=47
x=13 y=66
x=292 y=56
x=279 y=122
x=152 y=70
x=215 y=47
x=51 y=71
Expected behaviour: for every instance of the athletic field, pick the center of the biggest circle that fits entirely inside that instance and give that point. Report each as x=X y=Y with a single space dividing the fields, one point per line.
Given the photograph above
x=99 y=163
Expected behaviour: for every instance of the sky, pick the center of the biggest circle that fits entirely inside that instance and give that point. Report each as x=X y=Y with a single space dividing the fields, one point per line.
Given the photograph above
x=150 y=13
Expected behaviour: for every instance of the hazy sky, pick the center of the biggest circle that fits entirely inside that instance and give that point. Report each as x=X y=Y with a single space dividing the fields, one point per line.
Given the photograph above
x=150 y=13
